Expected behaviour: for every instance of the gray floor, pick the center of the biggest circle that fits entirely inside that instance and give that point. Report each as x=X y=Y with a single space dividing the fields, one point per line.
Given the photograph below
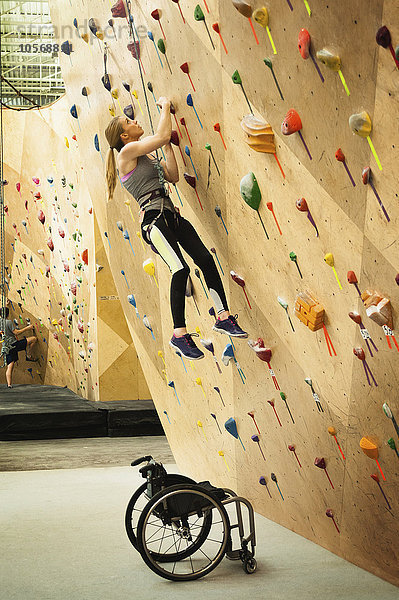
x=63 y=538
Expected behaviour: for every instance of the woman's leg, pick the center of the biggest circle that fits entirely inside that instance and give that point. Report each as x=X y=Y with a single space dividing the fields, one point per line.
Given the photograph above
x=164 y=240
x=30 y=342
x=190 y=241
x=9 y=371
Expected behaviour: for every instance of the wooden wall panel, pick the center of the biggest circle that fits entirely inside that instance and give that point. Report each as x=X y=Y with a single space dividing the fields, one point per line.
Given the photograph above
x=350 y=223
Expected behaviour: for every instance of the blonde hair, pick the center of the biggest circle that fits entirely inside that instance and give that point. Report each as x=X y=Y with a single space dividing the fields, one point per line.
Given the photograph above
x=112 y=133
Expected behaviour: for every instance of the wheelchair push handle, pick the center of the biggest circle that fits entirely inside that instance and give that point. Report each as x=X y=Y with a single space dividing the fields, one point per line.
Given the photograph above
x=138 y=461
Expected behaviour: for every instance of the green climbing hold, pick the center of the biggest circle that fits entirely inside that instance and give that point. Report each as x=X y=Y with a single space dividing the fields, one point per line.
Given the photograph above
x=397 y=52
x=207 y=146
x=161 y=46
x=236 y=78
x=198 y=14
x=74 y=204
x=391 y=441
x=250 y=191
x=293 y=256
x=268 y=63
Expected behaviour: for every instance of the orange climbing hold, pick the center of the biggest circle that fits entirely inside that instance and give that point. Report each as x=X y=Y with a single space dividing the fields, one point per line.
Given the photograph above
x=309 y=311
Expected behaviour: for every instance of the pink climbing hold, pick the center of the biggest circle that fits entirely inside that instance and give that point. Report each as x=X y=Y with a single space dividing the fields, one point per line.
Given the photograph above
x=50 y=244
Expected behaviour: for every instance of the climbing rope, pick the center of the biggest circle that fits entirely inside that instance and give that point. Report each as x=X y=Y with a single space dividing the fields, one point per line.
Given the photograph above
x=137 y=50
x=3 y=183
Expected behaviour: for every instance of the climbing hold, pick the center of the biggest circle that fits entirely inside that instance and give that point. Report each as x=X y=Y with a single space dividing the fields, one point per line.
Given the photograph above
x=185 y=69
x=245 y=10
x=131 y=299
x=174 y=139
x=227 y=356
x=192 y=182
x=156 y=15
x=255 y=438
x=391 y=444
x=383 y=38
x=221 y=453
x=183 y=122
x=360 y=124
x=330 y=515
x=365 y=334
x=269 y=64
x=329 y=259
x=271 y=402
x=291 y=448
x=333 y=62
x=366 y=178
x=74 y=113
x=375 y=477
x=292 y=124
x=240 y=281
x=147 y=324
x=218 y=212
x=304 y=47
x=162 y=49
x=251 y=194
x=284 y=305
x=216 y=127
x=216 y=28
x=388 y=413
x=270 y=207
x=359 y=353
x=371 y=450
x=209 y=147
x=274 y=478
x=340 y=156
x=190 y=102
x=231 y=427
x=199 y=16
x=251 y=414
x=351 y=277
x=262 y=481
x=332 y=431
x=265 y=355
x=220 y=394
x=321 y=464
x=149 y=268
x=238 y=81
x=294 y=259
x=261 y=16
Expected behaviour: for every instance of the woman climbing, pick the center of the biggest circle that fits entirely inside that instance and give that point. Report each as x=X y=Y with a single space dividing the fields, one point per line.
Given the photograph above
x=161 y=223
x=12 y=345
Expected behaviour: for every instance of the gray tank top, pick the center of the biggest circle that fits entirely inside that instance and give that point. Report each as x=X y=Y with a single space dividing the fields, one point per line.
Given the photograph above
x=142 y=181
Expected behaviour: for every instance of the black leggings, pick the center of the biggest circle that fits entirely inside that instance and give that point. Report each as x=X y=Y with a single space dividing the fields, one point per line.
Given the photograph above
x=168 y=231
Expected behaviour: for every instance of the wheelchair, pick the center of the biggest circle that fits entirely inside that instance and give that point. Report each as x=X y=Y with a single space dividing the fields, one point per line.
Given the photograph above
x=181 y=528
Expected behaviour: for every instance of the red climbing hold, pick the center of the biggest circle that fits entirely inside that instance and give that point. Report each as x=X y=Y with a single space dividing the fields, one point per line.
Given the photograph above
x=304 y=43
x=292 y=123
x=118 y=9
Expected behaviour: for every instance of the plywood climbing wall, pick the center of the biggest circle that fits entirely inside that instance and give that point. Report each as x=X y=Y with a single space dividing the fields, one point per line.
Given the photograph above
x=351 y=226
x=61 y=290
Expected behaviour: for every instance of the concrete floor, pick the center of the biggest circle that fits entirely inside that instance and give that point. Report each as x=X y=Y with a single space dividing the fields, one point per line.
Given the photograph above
x=63 y=538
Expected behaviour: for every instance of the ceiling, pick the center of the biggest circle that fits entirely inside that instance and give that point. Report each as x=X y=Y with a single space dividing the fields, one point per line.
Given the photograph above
x=29 y=57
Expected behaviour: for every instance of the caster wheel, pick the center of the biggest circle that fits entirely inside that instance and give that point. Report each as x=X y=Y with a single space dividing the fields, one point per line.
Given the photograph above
x=249 y=565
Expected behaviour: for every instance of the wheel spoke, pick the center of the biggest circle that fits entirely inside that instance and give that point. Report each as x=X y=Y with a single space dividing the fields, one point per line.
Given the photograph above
x=161 y=542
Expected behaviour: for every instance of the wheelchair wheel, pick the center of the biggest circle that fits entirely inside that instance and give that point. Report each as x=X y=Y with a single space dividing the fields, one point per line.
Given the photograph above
x=188 y=528
x=139 y=500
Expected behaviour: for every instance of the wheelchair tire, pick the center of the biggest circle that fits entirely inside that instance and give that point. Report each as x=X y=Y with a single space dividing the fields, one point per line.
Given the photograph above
x=133 y=512
x=161 y=513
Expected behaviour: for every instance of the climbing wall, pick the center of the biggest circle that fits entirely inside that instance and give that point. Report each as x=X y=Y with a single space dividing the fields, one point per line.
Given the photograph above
x=54 y=265
x=299 y=401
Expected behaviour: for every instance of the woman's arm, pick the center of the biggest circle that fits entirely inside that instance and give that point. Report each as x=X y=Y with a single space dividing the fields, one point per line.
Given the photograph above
x=152 y=142
x=21 y=331
x=170 y=168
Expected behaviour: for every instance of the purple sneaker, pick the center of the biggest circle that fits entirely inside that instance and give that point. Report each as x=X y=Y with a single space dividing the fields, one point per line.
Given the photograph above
x=185 y=344
x=230 y=327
